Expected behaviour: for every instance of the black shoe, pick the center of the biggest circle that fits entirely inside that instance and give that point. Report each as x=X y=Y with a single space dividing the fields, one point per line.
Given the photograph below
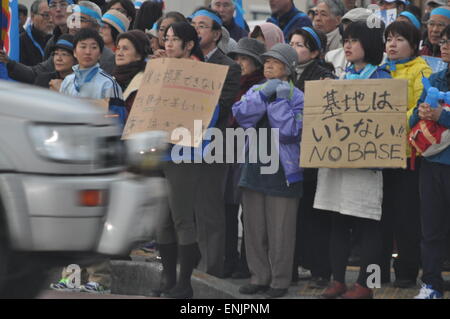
x=318 y=283
x=446 y=285
x=404 y=283
x=179 y=293
x=252 y=289
x=276 y=293
x=240 y=274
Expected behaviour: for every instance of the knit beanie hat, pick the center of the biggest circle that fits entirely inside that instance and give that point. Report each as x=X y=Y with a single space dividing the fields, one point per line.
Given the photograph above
x=117 y=20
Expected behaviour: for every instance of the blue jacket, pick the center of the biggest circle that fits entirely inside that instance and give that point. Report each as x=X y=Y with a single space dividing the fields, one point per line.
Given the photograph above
x=94 y=83
x=291 y=21
x=439 y=81
x=285 y=114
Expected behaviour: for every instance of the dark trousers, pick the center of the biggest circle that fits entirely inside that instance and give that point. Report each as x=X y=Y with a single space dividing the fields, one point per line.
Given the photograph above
x=401 y=222
x=340 y=247
x=210 y=217
x=231 y=237
x=435 y=213
x=312 y=249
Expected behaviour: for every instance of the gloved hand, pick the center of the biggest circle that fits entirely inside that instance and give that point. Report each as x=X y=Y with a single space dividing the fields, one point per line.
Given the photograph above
x=283 y=90
x=270 y=87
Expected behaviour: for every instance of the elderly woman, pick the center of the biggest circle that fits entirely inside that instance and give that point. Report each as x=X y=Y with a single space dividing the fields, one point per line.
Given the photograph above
x=271 y=200
x=63 y=59
x=327 y=19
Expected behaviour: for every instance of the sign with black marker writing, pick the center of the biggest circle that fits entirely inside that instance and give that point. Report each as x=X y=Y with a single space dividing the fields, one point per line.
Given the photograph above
x=174 y=93
x=354 y=124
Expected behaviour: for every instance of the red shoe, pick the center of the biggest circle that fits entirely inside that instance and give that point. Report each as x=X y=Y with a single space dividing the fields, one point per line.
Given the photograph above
x=358 y=292
x=334 y=290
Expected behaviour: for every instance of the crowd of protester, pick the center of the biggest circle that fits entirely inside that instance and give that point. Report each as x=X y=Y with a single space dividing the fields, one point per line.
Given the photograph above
x=313 y=218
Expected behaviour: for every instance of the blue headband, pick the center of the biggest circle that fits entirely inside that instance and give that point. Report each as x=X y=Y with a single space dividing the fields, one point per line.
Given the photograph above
x=65 y=43
x=68 y=1
x=205 y=13
x=314 y=35
x=441 y=11
x=88 y=12
x=411 y=17
x=116 y=20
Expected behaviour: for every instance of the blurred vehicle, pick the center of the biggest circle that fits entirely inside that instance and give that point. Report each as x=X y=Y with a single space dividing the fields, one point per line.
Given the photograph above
x=70 y=188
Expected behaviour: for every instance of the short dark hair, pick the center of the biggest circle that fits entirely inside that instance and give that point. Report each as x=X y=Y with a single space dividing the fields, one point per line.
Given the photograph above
x=310 y=42
x=371 y=40
x=187 y=33
x=147 y=15
x=87 y=33
x=406 y=30
x=128 y=6
x=23 y=9
x=415 y=10
x=446 y=32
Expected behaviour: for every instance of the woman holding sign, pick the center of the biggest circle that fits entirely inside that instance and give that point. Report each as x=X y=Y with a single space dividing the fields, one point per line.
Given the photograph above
x=401 y=203
x=176 y=235
x=270 y=199
x=354 y=194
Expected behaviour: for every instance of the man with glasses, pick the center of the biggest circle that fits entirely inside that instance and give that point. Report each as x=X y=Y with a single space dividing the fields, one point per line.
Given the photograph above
x=210 y=201
x=439 y=19
x=36 y=35
x=226 y=10
x=59 y=15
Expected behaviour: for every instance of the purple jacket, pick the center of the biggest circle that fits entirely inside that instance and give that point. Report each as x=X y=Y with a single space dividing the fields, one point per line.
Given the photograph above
x=284 y=114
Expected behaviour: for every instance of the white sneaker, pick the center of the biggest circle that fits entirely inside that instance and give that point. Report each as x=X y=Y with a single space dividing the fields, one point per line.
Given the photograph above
x=427 y=292
x=94 y=288
x=63 y=286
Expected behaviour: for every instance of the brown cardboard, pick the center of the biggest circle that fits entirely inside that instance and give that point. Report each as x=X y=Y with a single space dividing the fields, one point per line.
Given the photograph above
x=333 y=135
x=174 y=93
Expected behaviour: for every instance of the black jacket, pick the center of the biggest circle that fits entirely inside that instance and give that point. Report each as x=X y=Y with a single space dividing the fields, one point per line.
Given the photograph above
x=51 y=42
x=44 y=79
x=230 y=88
x=29 y=53
x=236 y=32
x=315 y=71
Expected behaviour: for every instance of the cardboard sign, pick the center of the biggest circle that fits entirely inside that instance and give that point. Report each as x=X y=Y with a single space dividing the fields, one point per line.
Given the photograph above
x=354 y=124
x=174 y=93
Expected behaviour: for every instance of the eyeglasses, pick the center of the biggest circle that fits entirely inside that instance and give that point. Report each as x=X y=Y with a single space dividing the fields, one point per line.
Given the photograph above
x=439 y=25
x=223 y=5
x=44 y=15
x=200 y=26
x=350 y=41
x=444 y=42
x=54 y=5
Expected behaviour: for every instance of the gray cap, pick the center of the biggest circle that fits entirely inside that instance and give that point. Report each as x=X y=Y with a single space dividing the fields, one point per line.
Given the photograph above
x=251 y=47
x=285 y=53
x=357 y=14
x=437 y=2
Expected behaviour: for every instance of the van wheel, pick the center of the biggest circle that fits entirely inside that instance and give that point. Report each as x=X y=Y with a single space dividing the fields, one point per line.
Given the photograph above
x=21 y=274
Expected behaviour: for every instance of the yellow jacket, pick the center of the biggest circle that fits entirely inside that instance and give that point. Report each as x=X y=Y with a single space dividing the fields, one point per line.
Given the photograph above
x=413 y=72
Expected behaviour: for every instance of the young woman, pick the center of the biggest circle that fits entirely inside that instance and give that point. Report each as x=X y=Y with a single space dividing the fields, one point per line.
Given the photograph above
x=163 y=24
x=434 y=187
x=177 y=235
x=63 y=60
x=354 y=195
x=401 y=203
x=113 y=24
x=133 y=48
x=271 y=200
x=313 y=226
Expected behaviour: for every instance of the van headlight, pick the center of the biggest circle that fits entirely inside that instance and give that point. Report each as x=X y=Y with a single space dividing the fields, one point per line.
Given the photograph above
x=146 y=150
x=73 y=143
